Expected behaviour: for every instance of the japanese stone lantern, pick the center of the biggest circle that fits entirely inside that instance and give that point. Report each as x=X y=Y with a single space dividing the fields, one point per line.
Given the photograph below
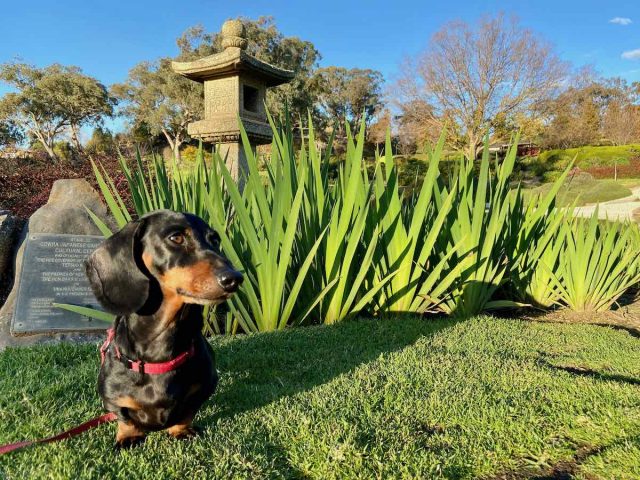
x=235 y=85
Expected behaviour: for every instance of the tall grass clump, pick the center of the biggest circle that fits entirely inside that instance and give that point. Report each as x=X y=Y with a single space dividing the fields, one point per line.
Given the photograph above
x=480 y=229
x=409 y=231
x=541 y=259
x=343 y=210
x=597 y=262
x=262 y=238
x=564 y=261
x=537 y=224
x=317 y=247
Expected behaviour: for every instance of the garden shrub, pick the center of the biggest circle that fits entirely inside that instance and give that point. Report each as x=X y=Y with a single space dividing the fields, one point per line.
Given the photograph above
x=602 y=160
x=189 y=155
x=25 y=184
x=596 y=262
x=320 y=247
x=550 y=177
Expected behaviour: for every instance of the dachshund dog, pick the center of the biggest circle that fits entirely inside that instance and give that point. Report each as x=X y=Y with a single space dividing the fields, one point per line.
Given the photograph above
x=155 y=274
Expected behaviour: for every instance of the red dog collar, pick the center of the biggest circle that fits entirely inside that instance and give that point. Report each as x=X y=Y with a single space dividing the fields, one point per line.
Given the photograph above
x=145 y=367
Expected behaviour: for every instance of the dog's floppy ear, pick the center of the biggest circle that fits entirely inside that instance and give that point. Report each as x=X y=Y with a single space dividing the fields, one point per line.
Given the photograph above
x=114 y=272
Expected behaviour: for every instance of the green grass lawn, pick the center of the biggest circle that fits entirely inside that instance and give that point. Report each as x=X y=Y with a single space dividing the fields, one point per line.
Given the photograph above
x=589 y=156
x=598 y=160
x=584 y=190
x=402 y=397
x=629 y=182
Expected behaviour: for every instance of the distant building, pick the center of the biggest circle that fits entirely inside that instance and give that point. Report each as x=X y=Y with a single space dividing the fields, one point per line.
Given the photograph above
x=525 y=149
x=11 y=152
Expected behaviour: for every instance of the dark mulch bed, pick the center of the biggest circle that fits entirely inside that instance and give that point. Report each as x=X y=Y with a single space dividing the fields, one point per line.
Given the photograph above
x=25 y=183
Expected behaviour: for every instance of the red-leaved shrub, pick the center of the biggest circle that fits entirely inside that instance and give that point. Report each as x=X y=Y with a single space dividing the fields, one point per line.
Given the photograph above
x=25 y=184
x=632 y=170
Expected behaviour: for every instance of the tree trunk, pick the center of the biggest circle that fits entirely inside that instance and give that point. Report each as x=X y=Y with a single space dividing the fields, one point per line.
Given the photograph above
x=475 y=140
x=75 y=138
x=176 y=152
x=49 y=149
x=45 y=141
x=472 y=149
x=174 y=144
x=47 y=144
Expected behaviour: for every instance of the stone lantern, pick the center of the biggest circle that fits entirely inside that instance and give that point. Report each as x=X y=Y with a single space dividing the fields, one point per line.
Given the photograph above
x=235 y=85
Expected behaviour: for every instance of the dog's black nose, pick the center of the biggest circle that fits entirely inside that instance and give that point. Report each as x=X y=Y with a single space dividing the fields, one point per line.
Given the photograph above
x=230 y=280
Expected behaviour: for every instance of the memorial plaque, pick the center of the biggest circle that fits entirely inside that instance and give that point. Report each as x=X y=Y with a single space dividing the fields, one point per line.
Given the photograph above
x=53 y=272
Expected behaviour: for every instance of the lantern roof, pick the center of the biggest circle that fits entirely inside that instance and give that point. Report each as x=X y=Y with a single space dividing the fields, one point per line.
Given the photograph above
x=232 y=60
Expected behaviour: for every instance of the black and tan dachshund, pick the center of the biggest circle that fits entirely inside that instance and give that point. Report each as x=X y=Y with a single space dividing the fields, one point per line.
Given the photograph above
x=157 y=367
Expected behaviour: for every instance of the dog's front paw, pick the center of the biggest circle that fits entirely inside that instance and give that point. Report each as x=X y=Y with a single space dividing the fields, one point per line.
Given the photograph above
x=183 y=432
x=128 y=442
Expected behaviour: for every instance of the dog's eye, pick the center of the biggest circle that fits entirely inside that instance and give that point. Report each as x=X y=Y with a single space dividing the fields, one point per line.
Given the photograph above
x=214 y=240
x=177 y=238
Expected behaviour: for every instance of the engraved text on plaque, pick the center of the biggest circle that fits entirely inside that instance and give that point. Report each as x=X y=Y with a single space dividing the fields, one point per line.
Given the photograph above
x=53 y=272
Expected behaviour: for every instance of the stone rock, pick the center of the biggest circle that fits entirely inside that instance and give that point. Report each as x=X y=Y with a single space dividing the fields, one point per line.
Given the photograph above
x=10 y=228
x=64 y=212
x=8 y=235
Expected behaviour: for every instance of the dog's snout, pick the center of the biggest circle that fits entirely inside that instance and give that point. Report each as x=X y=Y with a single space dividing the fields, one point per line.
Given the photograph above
x=230 y=280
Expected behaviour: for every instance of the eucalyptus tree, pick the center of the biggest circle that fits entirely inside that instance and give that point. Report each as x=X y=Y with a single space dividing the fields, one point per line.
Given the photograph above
x=52 y=100
x=353 y=94
x=82 y=99
x=160 y=99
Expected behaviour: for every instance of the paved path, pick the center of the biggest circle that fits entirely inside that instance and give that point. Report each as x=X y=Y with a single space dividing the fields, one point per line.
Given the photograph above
x=627 y=208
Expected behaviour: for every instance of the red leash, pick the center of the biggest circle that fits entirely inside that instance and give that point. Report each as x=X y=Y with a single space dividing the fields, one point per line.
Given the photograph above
x=107 y=417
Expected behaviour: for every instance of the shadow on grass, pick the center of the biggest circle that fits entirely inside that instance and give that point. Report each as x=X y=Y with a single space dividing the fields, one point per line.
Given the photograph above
x=607 y=319
x=587 y=372
x=567 y=469
x=633 y=331
x=259 y=369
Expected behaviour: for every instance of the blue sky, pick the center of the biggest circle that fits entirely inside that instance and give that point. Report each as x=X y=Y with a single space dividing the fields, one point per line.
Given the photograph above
x=107 y=38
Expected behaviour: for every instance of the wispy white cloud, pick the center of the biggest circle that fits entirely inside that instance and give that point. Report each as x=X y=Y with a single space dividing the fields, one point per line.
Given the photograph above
x=621 y=21
x=592 y=53
x=631 y=54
